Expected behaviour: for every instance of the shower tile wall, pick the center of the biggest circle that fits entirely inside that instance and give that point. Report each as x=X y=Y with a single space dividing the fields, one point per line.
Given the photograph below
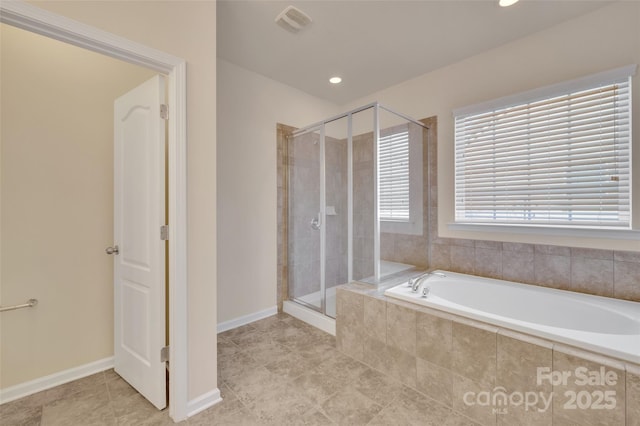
x=336 y=225
x=363 y=203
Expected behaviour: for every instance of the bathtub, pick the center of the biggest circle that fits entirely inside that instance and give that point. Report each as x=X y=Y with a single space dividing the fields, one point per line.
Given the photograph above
x=600 y=324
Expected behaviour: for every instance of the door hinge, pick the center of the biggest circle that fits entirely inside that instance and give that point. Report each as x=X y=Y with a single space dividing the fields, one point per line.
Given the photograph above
x=164 y=354
x=164 y=111
x=164 y=232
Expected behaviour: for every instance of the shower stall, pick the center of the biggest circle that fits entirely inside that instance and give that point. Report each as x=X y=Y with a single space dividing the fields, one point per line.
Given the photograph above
x=356 y=203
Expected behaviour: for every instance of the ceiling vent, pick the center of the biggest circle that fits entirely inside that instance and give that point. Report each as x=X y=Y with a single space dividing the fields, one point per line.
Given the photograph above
x=293 y=19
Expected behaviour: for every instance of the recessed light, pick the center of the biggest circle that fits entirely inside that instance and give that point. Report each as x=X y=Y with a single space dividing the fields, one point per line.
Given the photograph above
x=506 y=3
x=335 y=80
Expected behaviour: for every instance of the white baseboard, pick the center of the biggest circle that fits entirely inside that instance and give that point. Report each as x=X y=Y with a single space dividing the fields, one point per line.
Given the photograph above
x=203 y=402
x=47 y=382
x=314 y=318
x=246 y=319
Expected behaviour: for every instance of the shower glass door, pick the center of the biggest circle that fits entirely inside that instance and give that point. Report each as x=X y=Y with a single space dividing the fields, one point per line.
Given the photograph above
x=306 y=218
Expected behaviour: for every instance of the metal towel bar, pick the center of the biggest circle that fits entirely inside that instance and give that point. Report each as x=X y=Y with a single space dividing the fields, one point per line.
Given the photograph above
x=30 y=303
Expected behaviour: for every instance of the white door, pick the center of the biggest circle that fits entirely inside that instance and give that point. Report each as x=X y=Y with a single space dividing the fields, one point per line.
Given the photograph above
x=139 y=264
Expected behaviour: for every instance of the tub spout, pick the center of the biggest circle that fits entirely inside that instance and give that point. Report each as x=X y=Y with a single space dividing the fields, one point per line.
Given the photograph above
x=417 y=281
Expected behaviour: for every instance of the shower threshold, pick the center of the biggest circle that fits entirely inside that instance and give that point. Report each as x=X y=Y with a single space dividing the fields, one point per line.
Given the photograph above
x=310 y=316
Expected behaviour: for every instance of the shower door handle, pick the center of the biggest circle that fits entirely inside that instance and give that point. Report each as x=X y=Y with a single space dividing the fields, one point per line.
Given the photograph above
x=315 y=223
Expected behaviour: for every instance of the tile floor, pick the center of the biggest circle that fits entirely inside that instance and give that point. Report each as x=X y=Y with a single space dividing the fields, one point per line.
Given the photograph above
x=277 y=371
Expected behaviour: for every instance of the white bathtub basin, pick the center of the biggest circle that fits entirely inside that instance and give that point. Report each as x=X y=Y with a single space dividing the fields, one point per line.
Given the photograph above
x=601 y=324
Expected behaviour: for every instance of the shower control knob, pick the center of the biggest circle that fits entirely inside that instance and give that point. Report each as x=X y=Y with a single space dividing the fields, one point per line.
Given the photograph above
x=315 y=223
x=112 y=250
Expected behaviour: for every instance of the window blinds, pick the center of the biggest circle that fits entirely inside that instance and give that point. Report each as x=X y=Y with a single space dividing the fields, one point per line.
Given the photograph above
x=393 y=163
x=562 y=160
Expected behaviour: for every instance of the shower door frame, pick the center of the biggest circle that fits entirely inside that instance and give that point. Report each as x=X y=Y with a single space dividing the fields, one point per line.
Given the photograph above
x=321 y=213
x=376 y=106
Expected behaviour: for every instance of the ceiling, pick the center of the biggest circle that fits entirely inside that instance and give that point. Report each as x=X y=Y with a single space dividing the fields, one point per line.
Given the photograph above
x=375 y=44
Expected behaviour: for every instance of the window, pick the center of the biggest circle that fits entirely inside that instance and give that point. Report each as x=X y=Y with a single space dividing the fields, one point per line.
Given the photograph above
x=400 y=179
x=557 y=156
x=394 y=175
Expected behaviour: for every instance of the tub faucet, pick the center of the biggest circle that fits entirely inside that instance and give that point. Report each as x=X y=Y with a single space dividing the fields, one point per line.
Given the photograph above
x=417 y=281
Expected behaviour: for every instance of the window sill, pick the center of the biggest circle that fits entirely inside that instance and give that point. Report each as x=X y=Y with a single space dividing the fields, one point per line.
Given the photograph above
x=616 y=234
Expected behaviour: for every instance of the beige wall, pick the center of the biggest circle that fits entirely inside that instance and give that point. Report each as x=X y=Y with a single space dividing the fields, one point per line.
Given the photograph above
x=605 y=39
x=250 y=105
x=57 y=202
x=186 y=29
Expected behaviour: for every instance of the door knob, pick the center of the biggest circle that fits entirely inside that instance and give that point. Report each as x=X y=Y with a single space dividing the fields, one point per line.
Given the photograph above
x=112 y=250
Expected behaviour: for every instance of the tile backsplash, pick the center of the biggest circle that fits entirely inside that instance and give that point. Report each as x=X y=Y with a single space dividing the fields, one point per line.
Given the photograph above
x=607 y=273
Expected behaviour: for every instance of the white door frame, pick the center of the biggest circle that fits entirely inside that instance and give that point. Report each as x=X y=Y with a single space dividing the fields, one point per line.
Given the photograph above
x=34 y=19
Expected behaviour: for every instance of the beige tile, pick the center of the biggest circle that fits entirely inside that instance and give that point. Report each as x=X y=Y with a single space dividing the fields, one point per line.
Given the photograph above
x=136 y=410
x=253 y=382
x=25 y=411
x=237 y=332
x=342 y=367
x=434 y=341
x=441 y=256
x=350 y=323
x=235 y=365
x=391 y=361
x=518 y=362
x=552 y=270
x=633 y=399
x=267 y=405
x=465 y=400
x=401 y=328
x=485 y=244
x=119 y=388
x=378 y=387
x=474 y=353
x=375 y=318
x=518 y=265
x=132 y=406
x=289 y=365
x=265 y=352
x=488 y=262
x=463 y=259
x=350 y=407
x=226 y=347
x=592 y=253
x=318 y=386
x=517 y=366
x=81 y=408
x=435 y=382
x=376 y=354
x=626 y=284
x=317 y=352
x=552 y=250
x=314 y=418
x=412 y=408
x=462 y=242
x=456 y=419
x=593 y=276
x=521 y=416
x=90 y=384
x=626 y=256
x=567 y=411
x=216 y=416
x=517 y=247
